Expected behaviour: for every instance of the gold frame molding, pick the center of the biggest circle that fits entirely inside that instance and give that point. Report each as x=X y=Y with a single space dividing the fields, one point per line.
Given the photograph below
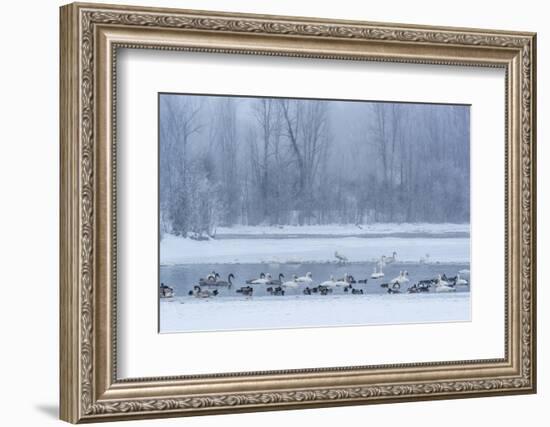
x=90 y=37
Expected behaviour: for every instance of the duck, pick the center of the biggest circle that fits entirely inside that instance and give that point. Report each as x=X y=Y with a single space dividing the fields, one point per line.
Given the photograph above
x=308 y=278
x=202 y=293
x=357 y=291
x=307 y=290
x=245 y=290
x=275 y=291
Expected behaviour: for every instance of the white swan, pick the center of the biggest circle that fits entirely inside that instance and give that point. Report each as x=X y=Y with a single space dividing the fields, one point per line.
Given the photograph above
x=401 y=279
x=328 y=283
x=342 y=283
x=263 y=281
x=291 y=284
x=377 y=272
x=425 y=259
x=460 y=281
x=308 y=278
x=390 y=259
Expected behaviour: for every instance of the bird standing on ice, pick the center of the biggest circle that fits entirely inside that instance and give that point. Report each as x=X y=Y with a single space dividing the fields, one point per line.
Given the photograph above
x=425 y=259
x=390 y=259
x=341 y=258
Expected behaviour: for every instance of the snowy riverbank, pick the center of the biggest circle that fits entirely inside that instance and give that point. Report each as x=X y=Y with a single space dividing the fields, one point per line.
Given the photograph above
x=178 y=250
x=189 y=314
x=345 y=230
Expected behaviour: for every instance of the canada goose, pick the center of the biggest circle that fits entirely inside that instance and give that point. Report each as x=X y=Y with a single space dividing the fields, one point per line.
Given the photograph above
x=394 y=288
x=246 y=290
x=250 y=281
x=443 y=286
x=323 y=290
x=166 y=291
x=275 y=291
x=202 y=293
x=421 y=286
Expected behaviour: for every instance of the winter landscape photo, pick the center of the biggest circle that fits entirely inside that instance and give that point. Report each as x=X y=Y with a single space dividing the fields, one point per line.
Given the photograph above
x=293 y=213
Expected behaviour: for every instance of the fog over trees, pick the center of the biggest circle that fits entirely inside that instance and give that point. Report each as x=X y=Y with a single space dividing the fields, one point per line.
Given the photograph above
x=227 y=161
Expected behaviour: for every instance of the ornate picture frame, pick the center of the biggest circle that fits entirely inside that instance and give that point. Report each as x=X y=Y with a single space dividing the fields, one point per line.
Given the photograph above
x=90 y=37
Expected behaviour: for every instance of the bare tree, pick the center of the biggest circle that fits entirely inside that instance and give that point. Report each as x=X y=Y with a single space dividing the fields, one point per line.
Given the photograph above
x=230 y=161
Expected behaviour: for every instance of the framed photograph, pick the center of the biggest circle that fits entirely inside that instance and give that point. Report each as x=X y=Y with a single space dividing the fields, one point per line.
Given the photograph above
x=266 y=212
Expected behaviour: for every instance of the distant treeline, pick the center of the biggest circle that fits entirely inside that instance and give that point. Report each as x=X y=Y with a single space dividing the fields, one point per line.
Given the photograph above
x=228 y=161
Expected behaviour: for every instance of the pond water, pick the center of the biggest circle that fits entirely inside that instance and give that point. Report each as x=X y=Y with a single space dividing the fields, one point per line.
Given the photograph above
x=183 y=277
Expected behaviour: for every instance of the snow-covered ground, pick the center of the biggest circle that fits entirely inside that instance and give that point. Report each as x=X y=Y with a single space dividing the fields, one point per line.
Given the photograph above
x=191 y=314
x=344 y=230
x=178 y=250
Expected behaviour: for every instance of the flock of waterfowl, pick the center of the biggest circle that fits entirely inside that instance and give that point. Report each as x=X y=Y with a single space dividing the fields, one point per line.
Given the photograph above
x=209 y=286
